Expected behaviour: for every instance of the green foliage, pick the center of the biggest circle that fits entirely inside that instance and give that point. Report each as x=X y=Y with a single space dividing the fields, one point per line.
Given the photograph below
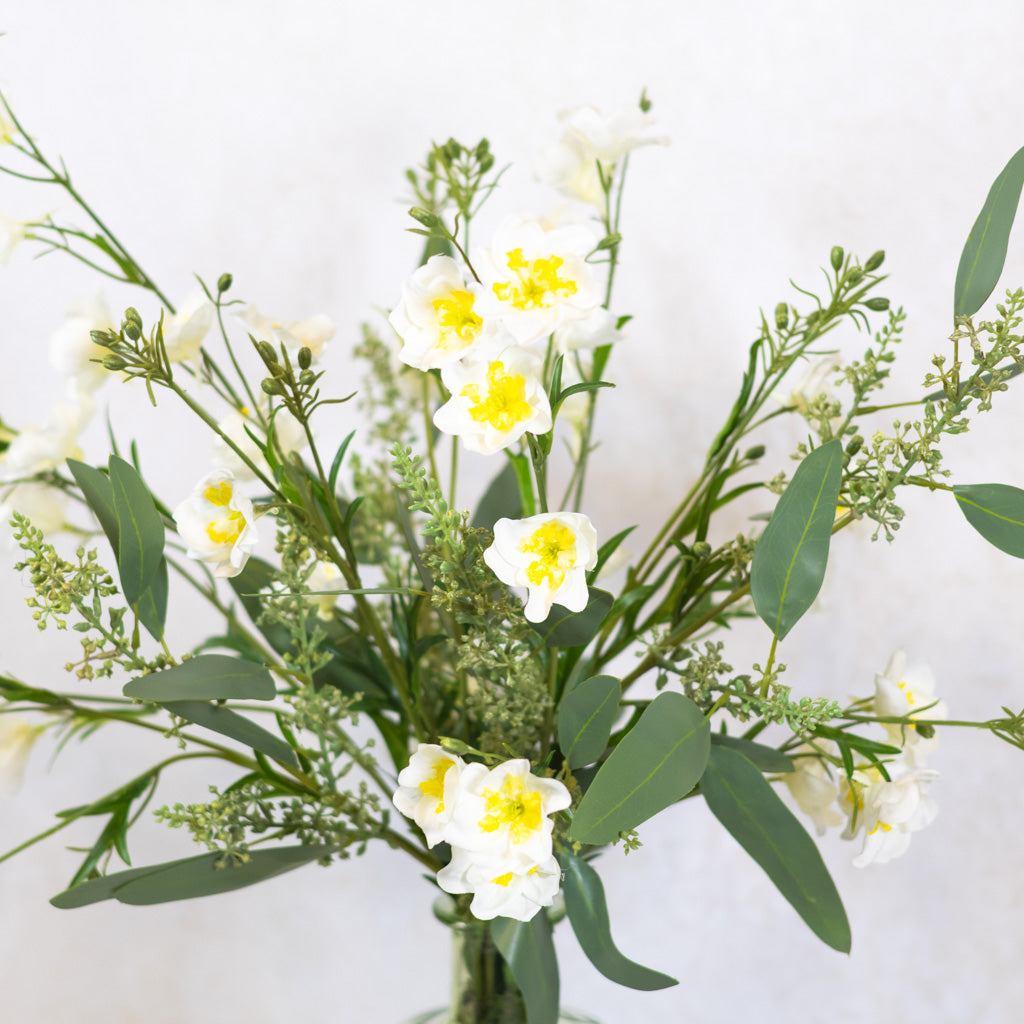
x=206 y=677
x=996 y=511
x=586 y=715
x=527 y=948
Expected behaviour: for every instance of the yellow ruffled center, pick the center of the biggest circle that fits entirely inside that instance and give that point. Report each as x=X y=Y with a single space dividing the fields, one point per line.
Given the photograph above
x=514 y=807
x=554 y=544
x=458 y=326
x=229 y=524
x=535 y=284
x=504 y=404
x=433 y=785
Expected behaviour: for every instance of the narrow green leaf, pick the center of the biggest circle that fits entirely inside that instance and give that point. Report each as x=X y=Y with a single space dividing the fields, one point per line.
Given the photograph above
x=588 y=914
x=140 y=541
x=501 y=500
x=99 y=495
x=98 y=889
x=747 y=805
x=563 y=628
x=984 y=252
x=586 y=715
x=15 y=692
x=996 y=511
x=208 y=677
x=656 y=763
x=153 y=602
x=767 y=759
x=530 y=954
x=229 y=723
x=790 y=557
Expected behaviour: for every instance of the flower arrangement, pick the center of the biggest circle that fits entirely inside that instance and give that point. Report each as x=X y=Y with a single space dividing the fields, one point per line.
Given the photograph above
x=464 y=666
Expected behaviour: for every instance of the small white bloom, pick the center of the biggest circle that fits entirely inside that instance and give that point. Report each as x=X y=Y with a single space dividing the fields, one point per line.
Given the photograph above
x=325 y=576
x=550 y=554
x=600 y=328
x=536 y=278
x=12 y=234
x=39 y=449
x=814 y=789
x=811 y=384
x=436 y=316
x=72 y=350
x=495 y=401
x=901 y=691
x=291 y=437
x=427 y=789
x=44 y=506
x=185 y=330
x=17 y=735
x=313 y=333
x=217 y=523
x=499 y=889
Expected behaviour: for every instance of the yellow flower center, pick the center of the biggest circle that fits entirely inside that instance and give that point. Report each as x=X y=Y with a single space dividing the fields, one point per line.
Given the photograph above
x=228 y=526
x=535 y=284
x=458 y=325
x=880 y=825
x=502 y=879
x=434 y=785
x=555 y=545
x=513 y=807
x=505 y=403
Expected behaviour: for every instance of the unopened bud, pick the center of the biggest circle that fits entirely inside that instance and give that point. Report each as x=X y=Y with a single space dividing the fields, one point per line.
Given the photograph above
x=103 y=338
x=836 y=257
x=305 y=358
x=307 y=377
x=131 y=330
x=267 y=353
x=924 y=730
x=272 y=387
x=854 y=275
x=114 y=362
x=753 y=454
x=224 y=282
x=875 y=260
x=781 y=316
x=855 y=445
x=878 y=304
x=429 y=220
x=701 y=549
x=486 y=162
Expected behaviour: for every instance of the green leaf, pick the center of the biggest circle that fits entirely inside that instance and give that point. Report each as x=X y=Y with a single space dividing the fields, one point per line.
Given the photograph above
x=15 y=692
x=530 y=954
x=585 y=719
x=501 y=500
x=140 y=540
x=747 y=805
x=789 y=560
x=588 y=914
x=229 y=723
x=766 y=759
x=563 y=628
x=98 y=889
x=153 y=602
x=208 y=677
x=984 y=253
x=655 y=764
x=996 y=511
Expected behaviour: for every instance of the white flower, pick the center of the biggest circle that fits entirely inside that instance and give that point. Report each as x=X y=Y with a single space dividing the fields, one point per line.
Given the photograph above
x=814 y=790
x=313 y=333
x=436 y=316
x=427 y=789
x=495 y=401
x=325 y=576
x=498 y=889
x=72 y=350
x=39 y=449
x=291 y=437
x=537 y=278
x=549 y=554
x=599 y=328
x=811 y=384
x=217 y=524
x=901 y=691
x=185 y=330
x=502 y=814
x=44 y=506
x=17 y=735
x=12 y=233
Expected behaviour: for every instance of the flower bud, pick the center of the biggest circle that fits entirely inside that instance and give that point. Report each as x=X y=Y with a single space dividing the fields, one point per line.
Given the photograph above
x=131 y=330
x=267 y=353
x=272 y=387
x=701 y=549
x=752 y=454
x=305 y=358
x=854 y=275
x=836 y=257
x=924 y=730
x=224 y=283
x=875 y=260
x=103 y=338
x=878 y=304
x=307 y=377
x=781 y=316
x=114 y=362
x=855 y=445
x=429 y=220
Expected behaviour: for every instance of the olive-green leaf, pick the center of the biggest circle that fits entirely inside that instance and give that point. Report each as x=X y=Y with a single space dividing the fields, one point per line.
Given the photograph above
x=789 y=560
x=767 y=759
x=747 y=805
x=563 y=628
x=501 y=500
x=984 y=252
x=656 y=763
x=207 y=677
x=529 y=952
x=586 y=715
x=140 y=530
x=230 y=723
x=996 y=511
x=588 y=914
x=98 y=889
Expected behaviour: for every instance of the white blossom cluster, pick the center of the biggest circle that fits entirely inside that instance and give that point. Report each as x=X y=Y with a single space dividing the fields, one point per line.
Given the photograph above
x=497 y=823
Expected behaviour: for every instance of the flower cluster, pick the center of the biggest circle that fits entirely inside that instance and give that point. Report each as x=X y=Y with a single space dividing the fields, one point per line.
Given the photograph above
x=497 y=823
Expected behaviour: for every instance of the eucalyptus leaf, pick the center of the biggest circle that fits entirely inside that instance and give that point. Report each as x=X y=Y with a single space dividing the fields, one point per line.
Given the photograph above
x=753 y=813
x=235 y=726
x=529 y=952
x=153 y=602
x=996 y=511
x=984 y=252
x=501 y=500
x=586 y=715
x=207 y=677
x=655 y=764
x=563 y=628
x=140 y=530
x=96 y=890
x=588 y=913
x=790 y=557
x=764 y=758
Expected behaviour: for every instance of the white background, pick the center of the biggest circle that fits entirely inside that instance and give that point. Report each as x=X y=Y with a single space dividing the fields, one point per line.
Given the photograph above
x=234 y=136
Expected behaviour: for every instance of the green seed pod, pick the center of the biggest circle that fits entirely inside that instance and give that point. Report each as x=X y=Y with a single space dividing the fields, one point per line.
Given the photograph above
x=878 y=304
x=875 y=260
x=855 y=445
x=836 y=257
x=305 y=358
x=781 y=316
x=224 y=283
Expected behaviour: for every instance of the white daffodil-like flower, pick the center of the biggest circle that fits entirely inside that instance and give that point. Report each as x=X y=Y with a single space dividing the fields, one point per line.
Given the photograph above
x=17 y=736
x=72 y=350
x=325 y=576
x=185 y=330
x=550 y=554
x=313 y=333
x=291 y=437
x=12 y=234
x=427 y=790
x=217 y=523
x=436 y=317
x=495 y=401
x=36 y=450
x=498 y=889
x=536 y=278
x=901 y=691
x=600 y=328
x=44 y=506
x=815 y=791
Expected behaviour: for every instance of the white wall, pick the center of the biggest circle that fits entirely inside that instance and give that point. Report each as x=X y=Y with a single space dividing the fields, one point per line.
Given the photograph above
x=237 y=136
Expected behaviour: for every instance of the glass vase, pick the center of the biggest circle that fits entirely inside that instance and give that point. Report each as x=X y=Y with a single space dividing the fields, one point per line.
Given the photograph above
x=483 y=990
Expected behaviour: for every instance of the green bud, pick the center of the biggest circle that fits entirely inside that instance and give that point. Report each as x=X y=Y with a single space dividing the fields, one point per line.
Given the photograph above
x=813 y=317
x=267 y=353
x=272 y=387
x=131 y=330
x=925 y=731
x=645 y=103
x=701 y=549
x=753 y=454
x=224 y=283
x=103 y=338
x=131 y=313
x=836 y=257
x=875 y=260
x=855 y=445
x=854 y=275
x=878 y=304
x=451 y=151
x=114 y=362
x=429 y=220
x=486 y=162
x=307 y=377
x=483 y=148
x=609 y=241
x=781 y=316
x=305 y=358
